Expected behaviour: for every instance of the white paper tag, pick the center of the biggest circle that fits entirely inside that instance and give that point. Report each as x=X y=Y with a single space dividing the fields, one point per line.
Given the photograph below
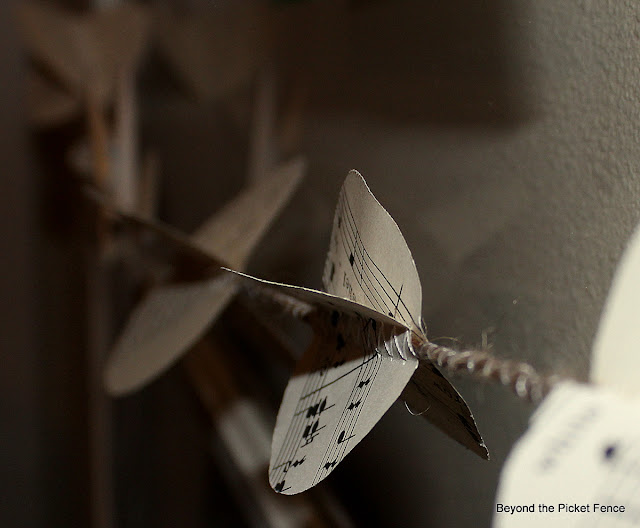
x=615 y=359
x=578 y=465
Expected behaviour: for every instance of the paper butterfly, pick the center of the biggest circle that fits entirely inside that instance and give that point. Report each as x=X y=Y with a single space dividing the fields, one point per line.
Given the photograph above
x=177 y=312
x=361 y=357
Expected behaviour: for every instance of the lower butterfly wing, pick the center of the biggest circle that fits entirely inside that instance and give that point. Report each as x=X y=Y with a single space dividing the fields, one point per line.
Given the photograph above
x=431 y=395
x=355 y=369
x=343 y=384
x=162 y=328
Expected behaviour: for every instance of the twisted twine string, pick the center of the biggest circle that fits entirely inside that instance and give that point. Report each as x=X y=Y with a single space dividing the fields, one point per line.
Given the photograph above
x=519 y=377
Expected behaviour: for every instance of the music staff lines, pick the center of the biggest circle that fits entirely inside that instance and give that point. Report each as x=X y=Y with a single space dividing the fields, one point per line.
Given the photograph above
x=346 y=206
x=301 y=431
x=354 y=418
x=351 y=242
x=293 y=436
x=380 y=305
x=370 y=373
x=325 y=463
x=366 y=258
x=339 y=377
x=306 y=424
x=319 y=406
x=345 y=426
x=296 y=434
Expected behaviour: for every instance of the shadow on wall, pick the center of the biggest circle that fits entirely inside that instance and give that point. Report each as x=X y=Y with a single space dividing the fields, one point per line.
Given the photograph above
x=443 y=62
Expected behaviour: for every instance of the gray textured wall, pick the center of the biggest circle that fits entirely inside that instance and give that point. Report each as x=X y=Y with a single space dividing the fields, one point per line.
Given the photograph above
x=516 y=228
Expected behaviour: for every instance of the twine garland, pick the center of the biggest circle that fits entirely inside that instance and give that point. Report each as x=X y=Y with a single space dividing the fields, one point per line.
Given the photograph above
x=519 y=377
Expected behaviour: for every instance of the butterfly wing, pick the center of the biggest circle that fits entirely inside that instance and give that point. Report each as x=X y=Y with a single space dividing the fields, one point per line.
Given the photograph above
x=173 y=316
x=235 y=230
x=369 y=261
x=170 y=319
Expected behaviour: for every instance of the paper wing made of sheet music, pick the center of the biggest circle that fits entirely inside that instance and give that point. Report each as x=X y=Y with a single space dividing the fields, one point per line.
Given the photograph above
x=360 y=359
x=177 y=312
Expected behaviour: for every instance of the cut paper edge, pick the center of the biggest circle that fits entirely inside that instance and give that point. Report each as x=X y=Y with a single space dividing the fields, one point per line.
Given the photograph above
x=170 y=319
x=430 y=395
x=615 y=361
x=365 y=235
x=233 y=232
x=320 y=299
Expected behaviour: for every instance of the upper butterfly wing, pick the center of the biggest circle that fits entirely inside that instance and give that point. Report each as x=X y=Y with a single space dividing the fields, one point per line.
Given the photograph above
x=234 y=231
x=368 y=260
x=86 y=53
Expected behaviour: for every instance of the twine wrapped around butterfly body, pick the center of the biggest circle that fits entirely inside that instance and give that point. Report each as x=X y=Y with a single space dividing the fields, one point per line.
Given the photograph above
x=519 y=377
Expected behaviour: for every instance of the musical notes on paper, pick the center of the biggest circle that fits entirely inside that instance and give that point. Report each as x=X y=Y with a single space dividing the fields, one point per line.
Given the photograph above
x=363 y=239
x=578 y=465
x=177 y=312
x=361 y=358
x=347 y=391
